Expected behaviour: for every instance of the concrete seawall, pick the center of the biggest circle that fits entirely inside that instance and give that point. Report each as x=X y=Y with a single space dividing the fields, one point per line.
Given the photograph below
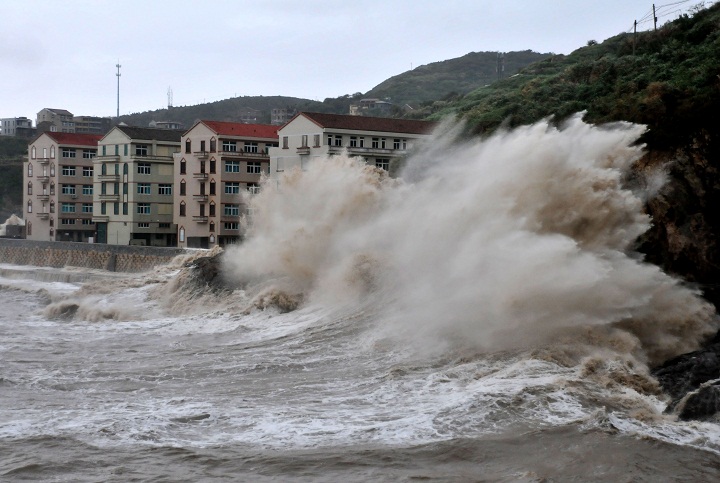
x=114 y=258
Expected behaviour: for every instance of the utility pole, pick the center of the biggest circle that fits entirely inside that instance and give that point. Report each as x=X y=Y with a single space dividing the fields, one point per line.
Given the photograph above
x=634 y=37
x=118 y=88
x=654 y=18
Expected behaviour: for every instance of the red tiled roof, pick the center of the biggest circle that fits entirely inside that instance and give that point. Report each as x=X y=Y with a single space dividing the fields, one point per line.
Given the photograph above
x=240 y=129
x=75 y=138
x=361 y=123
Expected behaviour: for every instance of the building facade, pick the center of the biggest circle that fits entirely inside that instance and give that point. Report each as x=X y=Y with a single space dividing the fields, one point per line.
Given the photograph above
x=133 y=186
x=92 y=124
x=58 y=187
x=15 y=126
x=380 y=141
x=220 y=163
x=55 y=120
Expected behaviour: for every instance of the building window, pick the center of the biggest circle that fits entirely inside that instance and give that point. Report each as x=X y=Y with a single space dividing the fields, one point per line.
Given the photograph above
x=316 y=141
x=232 y=188
x=67 y=221
x=338 y=140
x=232 y=166
x=253 y=167
x=382 y=143
x=304 y=141
x=87 y=189
x=143 y=225
x=253 y=188
x=125 y=149
x=182 y=188
x=213 y=166
x=29 y=206
x=141 y=150
x=212 y=188
x=125 y=168
x=212 y=209
x=183 y=166
x=396 y=144
x=67 y=207
x=143 y=208
x=202 y=146
x=181 y=234
x=213 y=145
x=251 y=147
x=30 y=170
x=188 y=145
x=103 y=208
x=382 y=163
x=29 y=188
x=143 y=189
x=231 y=225
x=86 y=221
x=375 y=143
x=212 y=226
x=52 y=188
x=230 y=146
x=353 y=141
x=88 y=171
x=104 y=150
x=33 y=151
x=182 y=208
x=165 y=189
x=68 y=189
x=29 y=228
x=117 y=150
x=89 y=153
x=52 y=169
x=231 y=210
x=285 y=142
x=362 y=142
x=68 y=170
x=143 y=168
x=68 y=153
x=125 y=208
x=163 y=225
x=52 y=152
x=87 y=207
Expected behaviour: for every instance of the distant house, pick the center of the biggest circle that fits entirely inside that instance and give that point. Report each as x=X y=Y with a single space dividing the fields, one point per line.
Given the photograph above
x=58 y=187
x=278 y=117
x=16 y=126
x=92 y=124
x=167 y=125
x=220 y=163
x=311 y=135
x=133 y=186
x=55 y=120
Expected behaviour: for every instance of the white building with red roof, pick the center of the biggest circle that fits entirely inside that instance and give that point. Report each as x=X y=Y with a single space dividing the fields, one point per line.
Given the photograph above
x=219 y=164
x=310 y=135
x=58 y=187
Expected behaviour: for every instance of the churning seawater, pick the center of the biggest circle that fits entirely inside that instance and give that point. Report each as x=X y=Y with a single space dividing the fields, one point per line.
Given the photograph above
x=481 y=319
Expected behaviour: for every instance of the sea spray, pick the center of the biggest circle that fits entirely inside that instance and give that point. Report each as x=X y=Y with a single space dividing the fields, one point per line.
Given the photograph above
x=505 y=242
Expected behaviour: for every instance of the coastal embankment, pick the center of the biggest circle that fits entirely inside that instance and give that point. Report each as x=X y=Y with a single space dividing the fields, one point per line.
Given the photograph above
x=114 y=258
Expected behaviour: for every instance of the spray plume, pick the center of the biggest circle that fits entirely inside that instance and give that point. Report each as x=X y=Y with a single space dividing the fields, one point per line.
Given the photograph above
x=501 y=242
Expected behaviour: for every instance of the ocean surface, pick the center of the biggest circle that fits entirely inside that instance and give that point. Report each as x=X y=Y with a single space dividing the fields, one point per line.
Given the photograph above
x=479 y=322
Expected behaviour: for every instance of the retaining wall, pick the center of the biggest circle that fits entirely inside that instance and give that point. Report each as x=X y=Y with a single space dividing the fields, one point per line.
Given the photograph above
x=115 y=258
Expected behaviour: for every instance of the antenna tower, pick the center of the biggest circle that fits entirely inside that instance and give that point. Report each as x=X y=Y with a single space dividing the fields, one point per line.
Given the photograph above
x=118 y=87
x=170 y=100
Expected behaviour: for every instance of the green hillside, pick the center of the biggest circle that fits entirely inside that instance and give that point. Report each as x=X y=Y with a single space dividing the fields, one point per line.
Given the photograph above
x=439 y=80
x=670 y=83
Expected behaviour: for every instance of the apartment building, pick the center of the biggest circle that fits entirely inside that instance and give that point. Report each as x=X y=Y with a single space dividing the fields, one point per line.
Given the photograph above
x=55 y=120
x=219 y=166
x=92 y=124
x=133 y=186
x=16 y=126
x=58 y=187
x=311 y=135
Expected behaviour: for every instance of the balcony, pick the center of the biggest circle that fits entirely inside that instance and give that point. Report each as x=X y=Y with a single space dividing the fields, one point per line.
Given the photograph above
x=107 y=158
x=100 y=219
x=109 y=177
x=42 y=161
x=200 y=219
x=200 y=197
x=108 y=197
x=200 y=175
x=365 y=151
x=43 y=178
x=302 y=150
x=201 y=154
x=43 y=197
x=43 y=216
x=243 y=154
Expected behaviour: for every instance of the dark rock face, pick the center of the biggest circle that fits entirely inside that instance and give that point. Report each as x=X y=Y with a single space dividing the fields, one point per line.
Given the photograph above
x=207 y=272
x=684 y=379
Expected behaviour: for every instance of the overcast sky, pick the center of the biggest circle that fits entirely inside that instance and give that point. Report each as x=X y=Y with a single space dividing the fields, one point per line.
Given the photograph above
x=62 y=53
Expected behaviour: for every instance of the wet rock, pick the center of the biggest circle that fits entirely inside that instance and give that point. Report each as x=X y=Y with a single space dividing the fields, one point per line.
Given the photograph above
x=684 y=379
x=207 y=272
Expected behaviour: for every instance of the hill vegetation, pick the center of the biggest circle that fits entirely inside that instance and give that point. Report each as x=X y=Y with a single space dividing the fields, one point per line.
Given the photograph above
x=12 y=152
x=667 y=79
